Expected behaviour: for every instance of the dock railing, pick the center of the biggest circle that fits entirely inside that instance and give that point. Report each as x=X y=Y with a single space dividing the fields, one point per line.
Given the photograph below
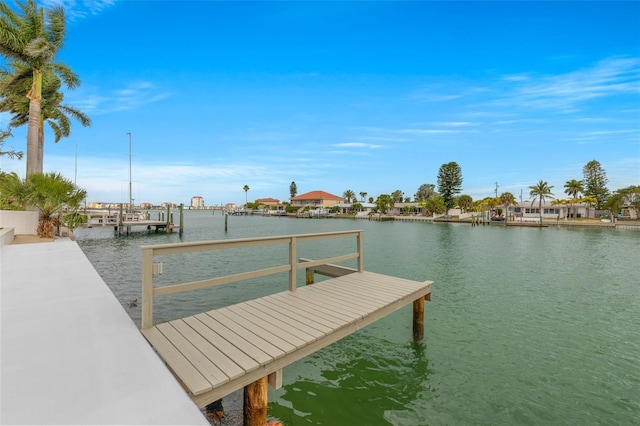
x=149 y=292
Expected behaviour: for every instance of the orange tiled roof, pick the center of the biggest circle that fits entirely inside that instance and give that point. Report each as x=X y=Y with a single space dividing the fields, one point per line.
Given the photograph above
x=316 y=195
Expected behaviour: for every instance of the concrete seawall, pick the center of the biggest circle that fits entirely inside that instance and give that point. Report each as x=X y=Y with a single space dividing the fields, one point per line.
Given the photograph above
x=70 y=354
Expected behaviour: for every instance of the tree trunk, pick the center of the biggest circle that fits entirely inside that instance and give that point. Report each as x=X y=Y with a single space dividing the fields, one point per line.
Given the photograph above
x=34 y=162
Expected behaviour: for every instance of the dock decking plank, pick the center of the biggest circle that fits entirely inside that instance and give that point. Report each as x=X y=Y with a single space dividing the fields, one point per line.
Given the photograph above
x=252 y=339
x=207 y=369
x=215 y=355
x=243 y=360
x=182 y=367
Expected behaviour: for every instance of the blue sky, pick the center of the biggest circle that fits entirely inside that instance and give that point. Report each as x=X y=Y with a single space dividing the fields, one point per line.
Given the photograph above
x=367 y=96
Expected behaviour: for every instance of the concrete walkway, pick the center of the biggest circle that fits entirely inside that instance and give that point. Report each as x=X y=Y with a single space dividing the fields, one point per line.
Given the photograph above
x=69 y=353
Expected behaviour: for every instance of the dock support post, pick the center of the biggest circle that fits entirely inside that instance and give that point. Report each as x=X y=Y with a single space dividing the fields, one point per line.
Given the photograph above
x=181 y=219
x=226 y=216
x=168 y=225
x=255 y=403
x=418 y=319
x=311 y=276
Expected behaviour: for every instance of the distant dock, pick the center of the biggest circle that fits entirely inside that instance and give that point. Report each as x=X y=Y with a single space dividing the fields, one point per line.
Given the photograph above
x=123 y=222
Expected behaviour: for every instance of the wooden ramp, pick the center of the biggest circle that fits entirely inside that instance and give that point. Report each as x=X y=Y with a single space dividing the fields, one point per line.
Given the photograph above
x=220 y=351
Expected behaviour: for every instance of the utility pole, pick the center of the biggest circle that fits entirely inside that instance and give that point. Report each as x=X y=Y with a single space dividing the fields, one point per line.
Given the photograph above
x=130 y=192
x=496 y=189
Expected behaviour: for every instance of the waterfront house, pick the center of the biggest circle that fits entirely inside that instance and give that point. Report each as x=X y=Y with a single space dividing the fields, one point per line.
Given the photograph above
x=268 y=201
x=315 y=199
x=550 y=210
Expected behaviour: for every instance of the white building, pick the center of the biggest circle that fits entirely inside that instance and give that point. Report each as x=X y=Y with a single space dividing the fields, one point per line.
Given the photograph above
x=197 y=202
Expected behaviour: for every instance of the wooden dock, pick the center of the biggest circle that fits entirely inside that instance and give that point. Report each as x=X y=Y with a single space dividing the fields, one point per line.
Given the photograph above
x=248 y=344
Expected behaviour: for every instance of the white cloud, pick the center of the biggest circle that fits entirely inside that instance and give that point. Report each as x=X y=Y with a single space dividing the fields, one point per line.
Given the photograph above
x=357 y=145
x=566 y=92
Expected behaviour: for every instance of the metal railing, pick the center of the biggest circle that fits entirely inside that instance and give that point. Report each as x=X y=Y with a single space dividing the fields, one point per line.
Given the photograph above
x=149 y=251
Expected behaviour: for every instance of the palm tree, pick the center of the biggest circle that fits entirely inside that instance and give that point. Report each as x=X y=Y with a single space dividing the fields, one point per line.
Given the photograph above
x=540 y=191
x=246 y=189
x=50 y=193
x=465 y=202
x=561 y=202
x=12 y=153
x=507 y=199
x=13 y=192
x=363 y=195
x=573 y=188
x=348 y=195
x=14 y=84
x=33 y=39
x=384 y=203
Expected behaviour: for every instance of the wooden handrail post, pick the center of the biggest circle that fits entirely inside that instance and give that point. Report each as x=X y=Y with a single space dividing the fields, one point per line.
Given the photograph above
x=147 y=288
x=360 y=247
x=292 y=263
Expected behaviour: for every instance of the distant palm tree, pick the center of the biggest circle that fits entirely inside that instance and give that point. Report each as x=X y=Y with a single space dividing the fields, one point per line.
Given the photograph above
x=363 y=195
x=348 y=195
x=465 y=202
x=573 y=188
x=246 y=189
x=507 y=199
x=33 y=38
x=540 y=191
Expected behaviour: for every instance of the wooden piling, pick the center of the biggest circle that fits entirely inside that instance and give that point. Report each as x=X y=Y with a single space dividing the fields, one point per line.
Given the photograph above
x=226 y=216
x=311 y=276
x=168 y=225
x=255 y=403
x=181 y=219
x=418 y=319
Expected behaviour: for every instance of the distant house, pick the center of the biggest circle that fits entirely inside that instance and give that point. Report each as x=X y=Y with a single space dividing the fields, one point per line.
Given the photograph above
x=550 y=210
x=268 y=201
x=316 y=199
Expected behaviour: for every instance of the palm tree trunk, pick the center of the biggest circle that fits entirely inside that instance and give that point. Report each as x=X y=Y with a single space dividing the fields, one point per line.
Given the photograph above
x=34 y=158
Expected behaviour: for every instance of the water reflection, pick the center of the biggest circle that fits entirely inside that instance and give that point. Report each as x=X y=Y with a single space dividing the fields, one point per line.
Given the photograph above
x=362 y=380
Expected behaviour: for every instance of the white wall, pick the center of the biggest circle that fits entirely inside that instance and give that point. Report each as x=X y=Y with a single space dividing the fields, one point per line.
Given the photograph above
x=23 y=223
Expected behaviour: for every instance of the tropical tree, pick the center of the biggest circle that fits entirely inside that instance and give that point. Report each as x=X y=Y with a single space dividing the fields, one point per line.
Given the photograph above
x=55 y=197
x=13 y=192
x=573 y=188
x=507 y=199
x=540 y=192
x=449 y=182
x=631 y=196
x=589 y=201
x=363 y=195
x=425 y=192
x=384 y=203
x=595 y=181
x=16 y=82
x=561 y=202
x=397 y=196
x=293 y=189
x=433 y=205
x=245 y=189
x=349 y=195
x=33 y=38
x=356 y=207
x=371 y=200
x=465 y=202
x=613 y=205
x=12 y=153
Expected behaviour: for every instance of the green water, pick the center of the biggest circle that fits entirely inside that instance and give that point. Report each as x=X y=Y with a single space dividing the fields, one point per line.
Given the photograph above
x=527 y=325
